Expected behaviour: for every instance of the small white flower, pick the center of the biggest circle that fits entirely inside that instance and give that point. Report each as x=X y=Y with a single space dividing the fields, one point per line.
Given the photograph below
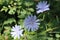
x=42 y=6
x=16 y=32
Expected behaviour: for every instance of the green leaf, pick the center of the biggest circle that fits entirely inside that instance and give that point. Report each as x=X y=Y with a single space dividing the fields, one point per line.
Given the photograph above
x=50 y=38
x=30 y=9
x=2 y=37
x=12 y=10
x=1 y=1
x=9 y=21
x=4 y=9
x=7 y=30
x=19 y=3
x=57 y=35
x=23 y=11
x=22 y=14
x=28 y=4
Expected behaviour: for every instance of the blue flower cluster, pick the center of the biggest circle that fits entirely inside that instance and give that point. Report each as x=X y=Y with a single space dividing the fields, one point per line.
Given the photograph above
x=31 y=23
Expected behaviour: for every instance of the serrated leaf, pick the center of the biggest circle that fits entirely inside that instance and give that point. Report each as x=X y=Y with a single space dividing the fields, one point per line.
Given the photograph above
x=28 y=4
x=19 y=3
x=23 y=11
x=9 y=21
x=4 y=9
x=30 y=9
x=12 y=10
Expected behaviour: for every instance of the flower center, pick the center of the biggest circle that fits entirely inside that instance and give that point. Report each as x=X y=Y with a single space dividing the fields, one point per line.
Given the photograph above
x=31 y=23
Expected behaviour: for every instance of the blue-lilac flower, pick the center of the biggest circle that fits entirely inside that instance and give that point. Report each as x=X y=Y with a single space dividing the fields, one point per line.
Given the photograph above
x=42 y=6
x=16 y=32
x=31 y=23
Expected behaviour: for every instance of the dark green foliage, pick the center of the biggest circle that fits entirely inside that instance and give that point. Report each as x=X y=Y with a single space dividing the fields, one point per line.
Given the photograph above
x=15 y=11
